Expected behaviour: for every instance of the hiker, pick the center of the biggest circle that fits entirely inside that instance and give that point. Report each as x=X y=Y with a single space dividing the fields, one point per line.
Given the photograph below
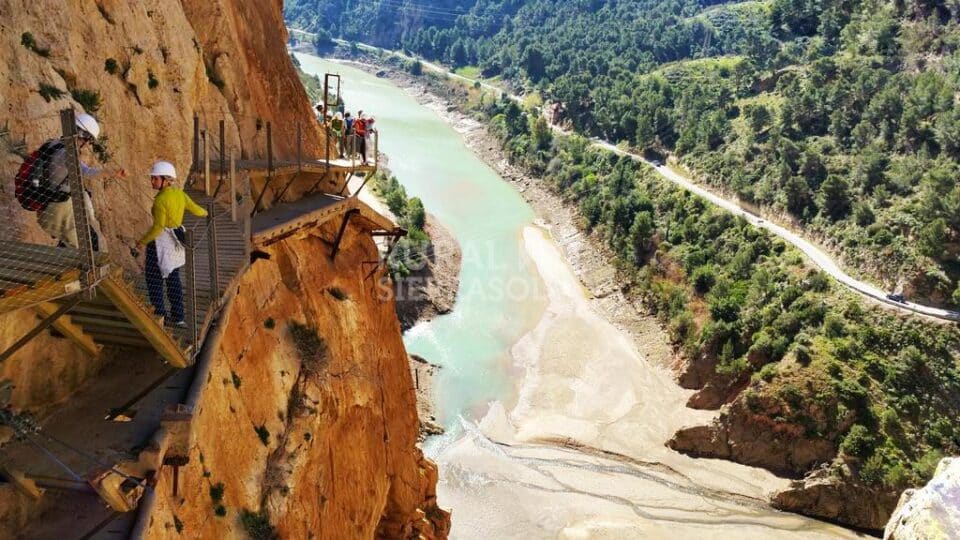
x=165 y=240
x=371 y=130
x=43 y=186
x=319 y=112
x=360 y=130
x=336 y=129
x=348 y=134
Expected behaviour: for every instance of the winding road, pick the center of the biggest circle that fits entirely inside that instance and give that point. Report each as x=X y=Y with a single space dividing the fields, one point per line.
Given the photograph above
x=817 y=255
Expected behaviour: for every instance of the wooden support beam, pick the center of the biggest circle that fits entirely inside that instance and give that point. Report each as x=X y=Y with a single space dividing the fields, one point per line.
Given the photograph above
x=155 y=334
x=20 y=481
x=43 y=325
x=67 y=327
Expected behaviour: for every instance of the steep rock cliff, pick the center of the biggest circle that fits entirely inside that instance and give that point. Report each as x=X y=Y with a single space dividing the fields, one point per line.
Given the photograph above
x=308 y=419
x=144 y=69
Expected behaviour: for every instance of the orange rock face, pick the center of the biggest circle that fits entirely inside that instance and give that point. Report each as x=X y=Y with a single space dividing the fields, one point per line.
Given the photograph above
x=309 y=416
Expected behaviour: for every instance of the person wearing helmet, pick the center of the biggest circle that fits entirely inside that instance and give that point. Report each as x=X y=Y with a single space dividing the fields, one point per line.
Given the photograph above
x=56 y=218
x=164 y=241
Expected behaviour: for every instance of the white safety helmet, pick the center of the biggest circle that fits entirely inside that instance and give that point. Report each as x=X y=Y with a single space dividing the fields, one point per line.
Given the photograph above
x=163 y=168
x=88 y=124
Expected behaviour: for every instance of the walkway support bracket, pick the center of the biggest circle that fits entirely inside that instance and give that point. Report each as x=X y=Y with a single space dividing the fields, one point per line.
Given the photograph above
x=343 y=227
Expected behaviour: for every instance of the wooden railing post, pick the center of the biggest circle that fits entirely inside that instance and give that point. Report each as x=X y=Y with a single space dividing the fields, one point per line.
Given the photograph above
x=190 y=292
x=78 y=197
x=213 y=258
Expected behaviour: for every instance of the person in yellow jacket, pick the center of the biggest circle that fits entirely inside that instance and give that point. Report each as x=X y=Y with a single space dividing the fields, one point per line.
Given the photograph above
x=168 y=208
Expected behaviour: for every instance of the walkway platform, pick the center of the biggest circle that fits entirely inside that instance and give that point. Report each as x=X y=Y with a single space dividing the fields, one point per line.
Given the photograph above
x=286 y=219
x=119 y=312
x=32 y=274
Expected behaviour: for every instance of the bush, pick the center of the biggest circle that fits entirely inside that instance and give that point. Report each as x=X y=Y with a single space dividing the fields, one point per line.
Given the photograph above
x=858 y=442
x=311 y=347
x=49 y=92
x=88 y=99
x=111 y=66
x=28 y=41
x=257 y=525
x=416 y=68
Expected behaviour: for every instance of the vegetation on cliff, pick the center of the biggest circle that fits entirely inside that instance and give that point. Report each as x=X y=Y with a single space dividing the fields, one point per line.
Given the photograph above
x=410 y=252
x=839 y=114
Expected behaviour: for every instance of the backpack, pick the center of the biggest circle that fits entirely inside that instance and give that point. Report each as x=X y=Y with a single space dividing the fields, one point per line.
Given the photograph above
x=32 y=186
x=360 y=127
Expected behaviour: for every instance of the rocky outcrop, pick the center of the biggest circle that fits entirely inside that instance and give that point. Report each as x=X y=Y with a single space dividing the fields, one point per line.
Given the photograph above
x=931 y=512
x=431 y=288
x=308 y=421
x=756 y=434
x=834 y=494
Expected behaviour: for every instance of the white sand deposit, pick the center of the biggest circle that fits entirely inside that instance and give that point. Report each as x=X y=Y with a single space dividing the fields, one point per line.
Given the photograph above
x=582 y=455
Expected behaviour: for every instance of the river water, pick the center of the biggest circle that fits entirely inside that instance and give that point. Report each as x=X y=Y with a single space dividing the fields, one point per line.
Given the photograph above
x=556 y=421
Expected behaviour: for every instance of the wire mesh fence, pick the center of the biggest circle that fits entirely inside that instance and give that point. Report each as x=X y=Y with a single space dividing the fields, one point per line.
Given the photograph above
x=53 y=252
x=50 y=238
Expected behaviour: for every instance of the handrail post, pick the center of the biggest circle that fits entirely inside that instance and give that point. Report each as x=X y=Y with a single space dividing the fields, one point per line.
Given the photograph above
x=223 y=156
x=78 y=198
x=299 y=147
x=195 y=166
x=206 y=163
x=190 y=296
x=233 y=187
x=269 y=150
x=213 y=258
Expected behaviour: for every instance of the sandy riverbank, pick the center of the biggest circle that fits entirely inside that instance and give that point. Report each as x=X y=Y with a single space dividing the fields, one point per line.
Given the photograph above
x=582 y=456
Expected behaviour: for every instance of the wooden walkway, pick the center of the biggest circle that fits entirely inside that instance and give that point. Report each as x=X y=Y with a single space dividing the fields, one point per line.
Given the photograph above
x=120 y=312
x=286 y=219
x=32 y=274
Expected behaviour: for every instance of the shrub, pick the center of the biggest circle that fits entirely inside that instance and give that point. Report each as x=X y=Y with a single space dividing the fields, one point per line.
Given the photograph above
x=28 y=41
x=337 y=293
x=236 y=379
x=49 y=92
x=111 y=66
x=311 y=347
x=88 y=99
x=269 y=324
x=858 y=442
x=216 y=492
x=416 y=68
x=703 y=279
x=263 y=434
x=257 y=525
x=152 y=81
x=101 y=148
